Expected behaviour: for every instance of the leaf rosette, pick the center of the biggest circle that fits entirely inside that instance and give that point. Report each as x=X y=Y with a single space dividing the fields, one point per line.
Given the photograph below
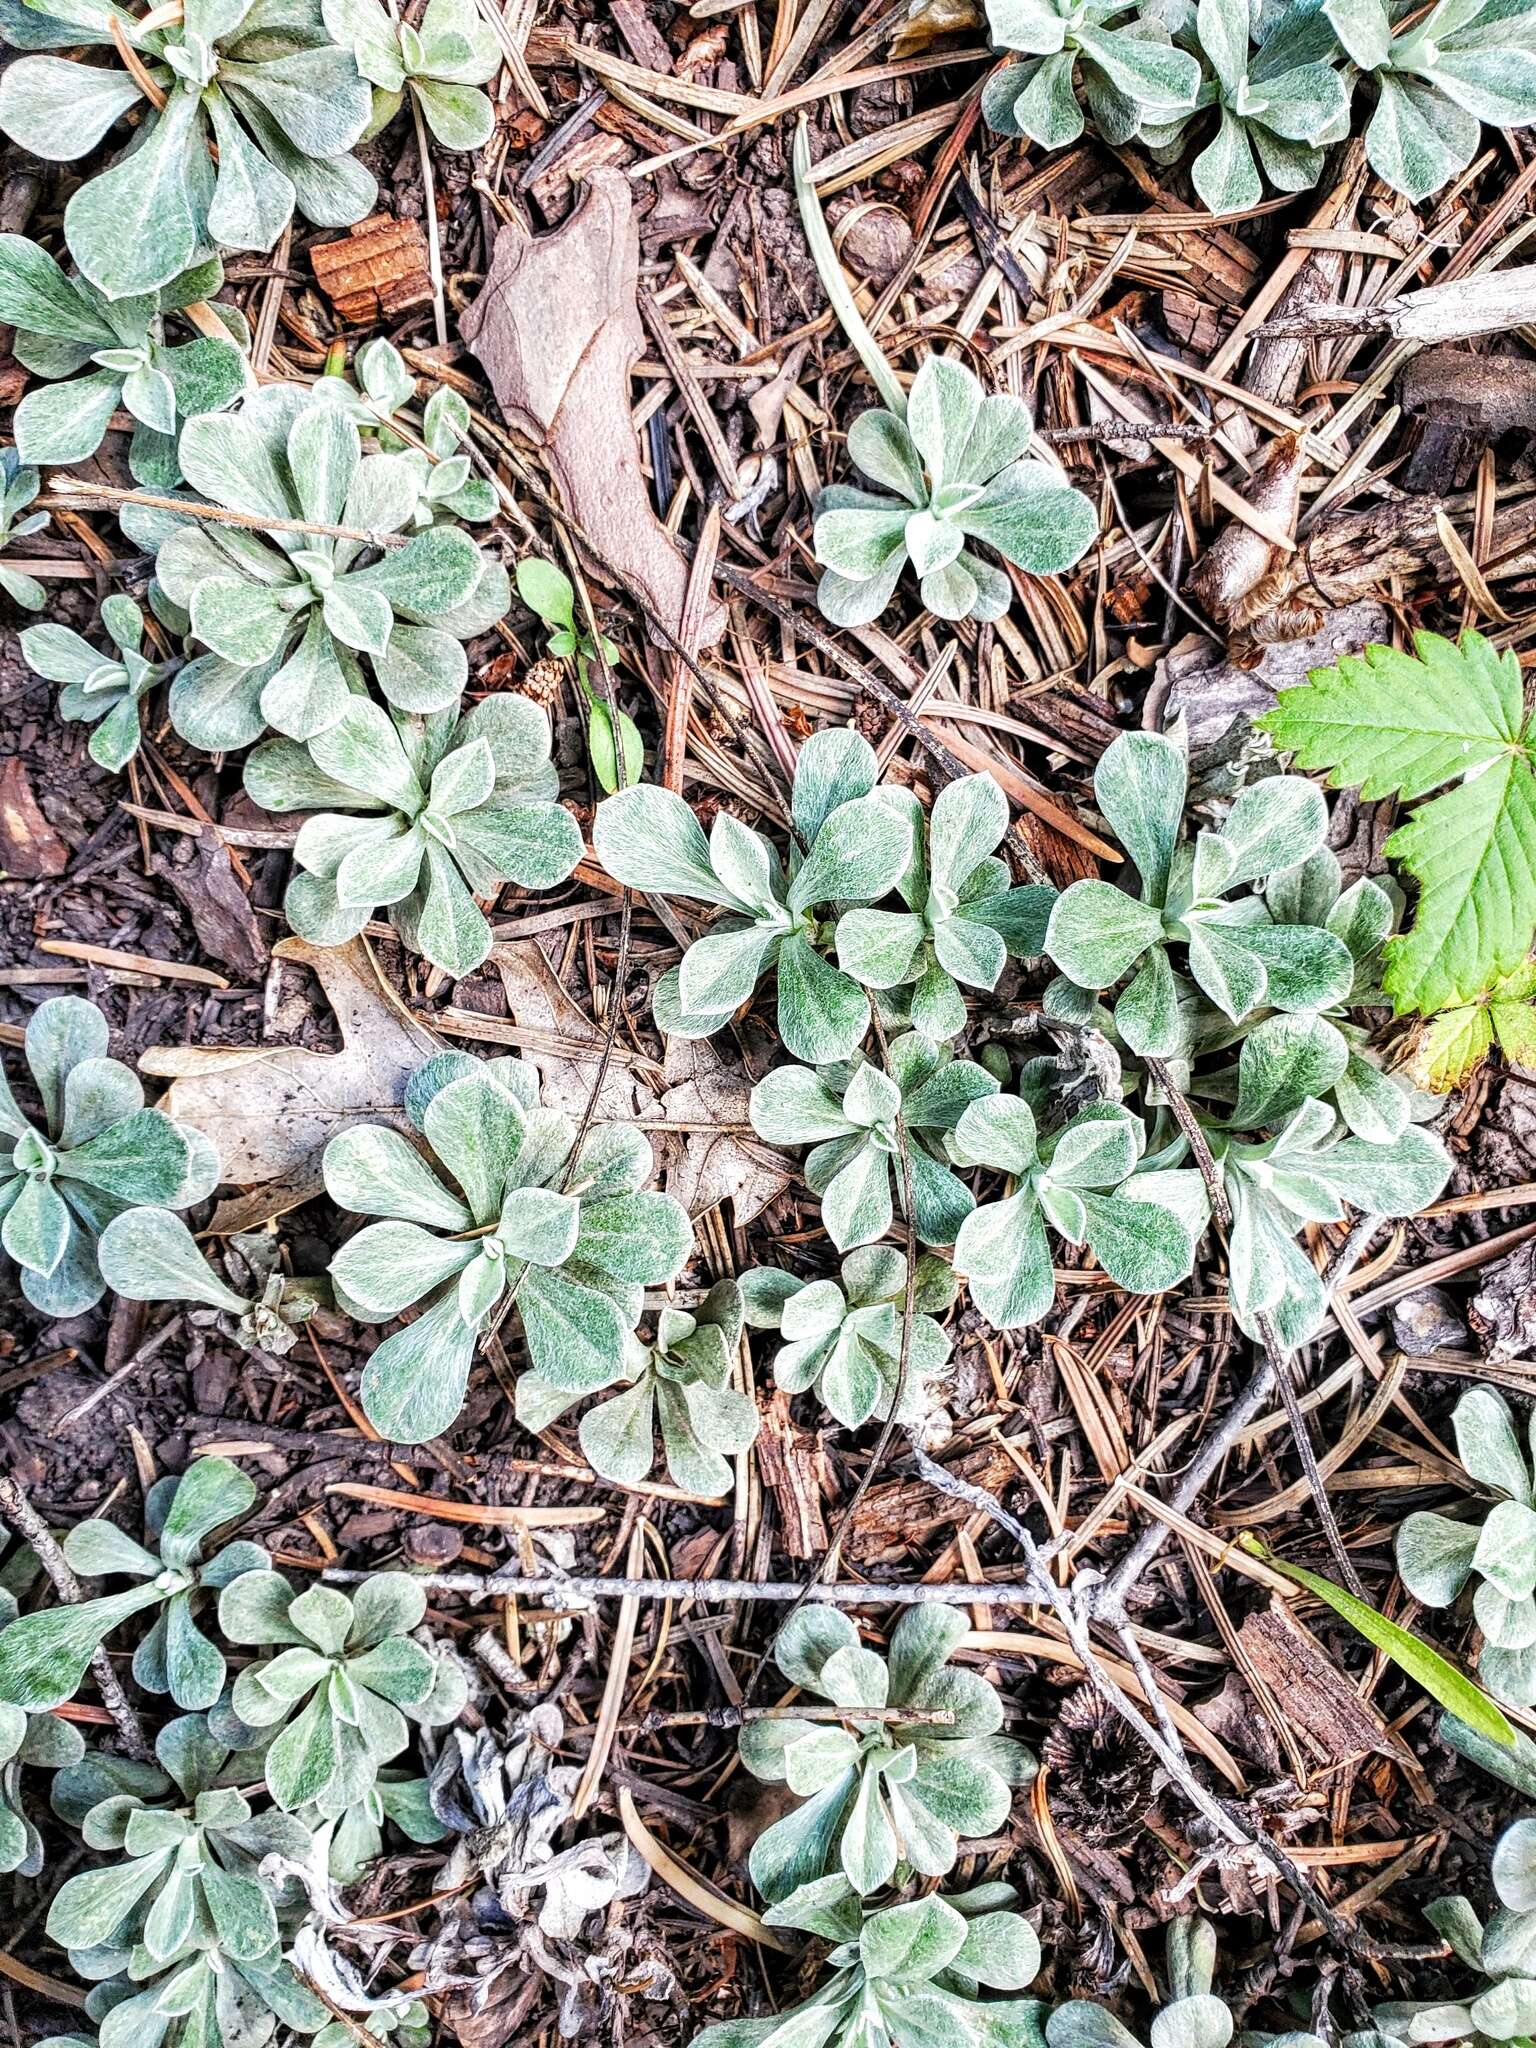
x=202 y=1999
x=964 y=918
x=441 y=62
x=684 y=1380
x=258 y=110
x=906 y=1976
x=417 y=816
x=1192 y=2016
x=347 y=1680
x=1085 y=1179
x=853 y=1116
x=96 y=355
x=572 y=1244
x=107 y=691
x=44 y=1656
x=1501 y=1951
x=97 y=1152
x=1129 y=72
x=881 y=1795
x=843 y=1338
x=188 y=1874
x=957 y=464
x=1237 y=956
x=779 y=918
x=1437 y=81
x=287 y=616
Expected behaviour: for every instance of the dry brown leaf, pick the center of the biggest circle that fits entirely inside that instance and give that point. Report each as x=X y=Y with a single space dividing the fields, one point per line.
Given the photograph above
x=556 y=1035
x=705 y=1166
x=557 y=326
x=270 y=1109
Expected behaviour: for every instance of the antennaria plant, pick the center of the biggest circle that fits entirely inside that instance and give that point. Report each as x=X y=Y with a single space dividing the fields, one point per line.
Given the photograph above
x=572 y=1243
x=845 y=1339
x=150 y=1255
x=203 y=1997
x=849 y=1115
x=258 y=113
x=1192 y=2018
x=97 y=355
x=452 y=51
x=1307 y=1172
x=956 y=462
x=417 y=816
x=881 y=1796
x=1280 y=101
x=44 y=1656
x=1495 y=1551
x=1503 y=1952
x=287 y=616
x=352 y=1671
x=905 y=1976
x=1127 y=73
x=782 y=919
x=964 y=918
x=1084 y=1179
x=1465 y=62
x=1236 y=955
x=18 y=487
x=445 y=487
x=685 y=1377
x=40 y=1740
x=97 y=1151
x=106 y=691
x=188 y=1878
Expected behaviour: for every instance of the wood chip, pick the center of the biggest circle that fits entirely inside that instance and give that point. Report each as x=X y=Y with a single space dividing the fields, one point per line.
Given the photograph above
x=29 y=846
x=375 y=272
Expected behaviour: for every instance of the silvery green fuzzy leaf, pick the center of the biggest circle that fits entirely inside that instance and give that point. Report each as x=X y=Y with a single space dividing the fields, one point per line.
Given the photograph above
x=98 y=1152
x=1130 y=75
x=845 y=1340
x=463 y=809
x=857 y=1167
x=956 y=460
x=102 y=689
x=903 y=1792
x=648 y=838
x=575 y=1244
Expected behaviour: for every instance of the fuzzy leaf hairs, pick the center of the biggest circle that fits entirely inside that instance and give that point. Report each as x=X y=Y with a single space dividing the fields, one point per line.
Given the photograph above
x=1084 y=1179
x=105 y=690
x=849 y=1115
x=417 y=816
x=150 y=1255
x=43 y=1656
x=287 y=617
x=41 y=1740
x=905 y=1976
x=782 y=919
x=1127 y=72
x=18 y=487
x=964 y=918
x=259 y=110
x=880 y=1795
x=509 y=1221
x=1235 y=953
x=843 y=1337
x=1502 y=1953
x=347 y=1677
x=684 y=1379
x=440 y=63
x=957 y=465
x=96 y=355
x=97 y=1152
x=1495 y=1548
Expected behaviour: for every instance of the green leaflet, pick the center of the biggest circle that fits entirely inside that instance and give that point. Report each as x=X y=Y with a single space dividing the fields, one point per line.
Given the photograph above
x=1395 y=724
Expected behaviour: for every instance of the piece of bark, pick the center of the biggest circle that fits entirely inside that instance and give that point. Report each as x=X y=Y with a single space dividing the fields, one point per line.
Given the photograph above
x=1503 y=1311
x=557 y=326
x=1494 y=302
x=1318 y=1700
x=893 y=1515
x=1276 y=361
x=1463 y=401
x=29 y=846
x=376 y=271
x=218 y=906
x=788 y=1464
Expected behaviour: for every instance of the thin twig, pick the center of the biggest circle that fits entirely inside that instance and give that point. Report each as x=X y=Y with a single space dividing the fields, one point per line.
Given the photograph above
x=19 y=1511
x=85 y=495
